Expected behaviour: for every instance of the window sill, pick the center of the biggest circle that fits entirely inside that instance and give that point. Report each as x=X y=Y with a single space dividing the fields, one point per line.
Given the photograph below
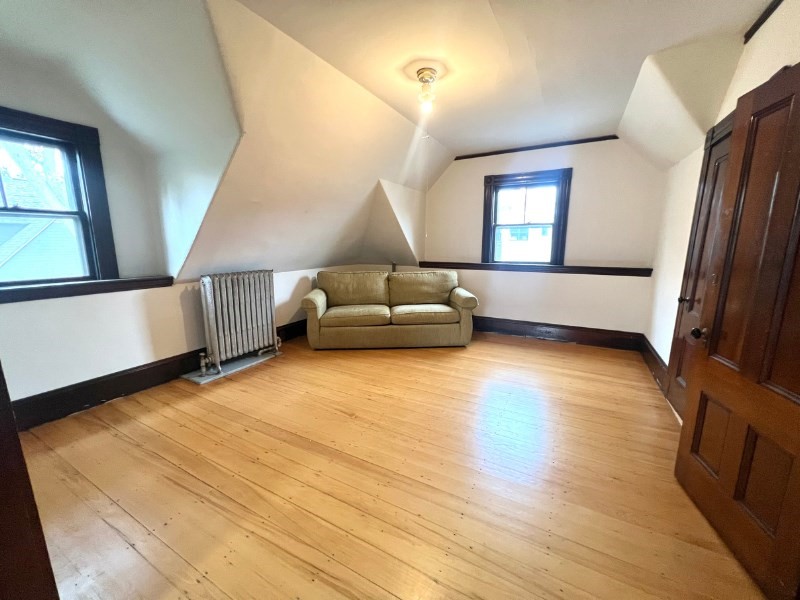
x=542 y=268
x=26 y=293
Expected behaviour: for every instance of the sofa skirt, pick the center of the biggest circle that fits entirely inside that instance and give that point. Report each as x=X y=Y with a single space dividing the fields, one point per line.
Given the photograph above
x=394 y=336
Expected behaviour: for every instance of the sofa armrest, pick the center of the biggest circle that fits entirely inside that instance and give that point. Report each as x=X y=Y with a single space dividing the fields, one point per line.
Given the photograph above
x=315 y=303
x=461 y=298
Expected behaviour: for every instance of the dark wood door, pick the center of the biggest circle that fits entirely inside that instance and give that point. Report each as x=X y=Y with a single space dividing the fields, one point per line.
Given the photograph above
x=25 y=571
x=739 y=454
x=705 y=231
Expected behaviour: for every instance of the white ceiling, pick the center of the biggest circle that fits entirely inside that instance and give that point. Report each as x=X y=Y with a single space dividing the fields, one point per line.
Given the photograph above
x=520 y=72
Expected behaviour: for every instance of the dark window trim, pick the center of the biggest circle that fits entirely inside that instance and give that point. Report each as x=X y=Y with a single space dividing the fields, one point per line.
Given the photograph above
x=562 y=177
x=82 y=144
x=541 y=268
x=25 y=293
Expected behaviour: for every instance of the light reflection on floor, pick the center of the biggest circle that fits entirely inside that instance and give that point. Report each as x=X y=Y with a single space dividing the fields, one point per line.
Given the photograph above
x=510 y=439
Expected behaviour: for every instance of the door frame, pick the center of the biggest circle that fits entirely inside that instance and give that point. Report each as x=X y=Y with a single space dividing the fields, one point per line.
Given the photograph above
x=25 y=569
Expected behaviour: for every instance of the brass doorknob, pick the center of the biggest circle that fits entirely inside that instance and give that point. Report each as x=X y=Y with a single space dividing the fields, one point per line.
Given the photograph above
x=698 y=333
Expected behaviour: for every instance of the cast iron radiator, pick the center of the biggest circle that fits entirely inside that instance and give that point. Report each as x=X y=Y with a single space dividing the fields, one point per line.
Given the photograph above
x=239 y=318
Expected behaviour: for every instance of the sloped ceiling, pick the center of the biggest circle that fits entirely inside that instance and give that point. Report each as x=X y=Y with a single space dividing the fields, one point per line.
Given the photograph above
x=300 y=187
x=520 y=72
x=152 y=71
x=677 y=97
x=327 y=124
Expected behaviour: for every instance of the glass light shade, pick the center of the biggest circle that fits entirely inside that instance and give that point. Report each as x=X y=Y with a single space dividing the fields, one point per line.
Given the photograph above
x=426 y=94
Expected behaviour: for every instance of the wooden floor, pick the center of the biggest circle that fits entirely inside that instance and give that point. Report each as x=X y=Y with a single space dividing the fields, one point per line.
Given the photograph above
x=510 y=469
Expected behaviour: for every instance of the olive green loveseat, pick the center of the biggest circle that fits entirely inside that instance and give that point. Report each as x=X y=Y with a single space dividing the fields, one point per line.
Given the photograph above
x=376 y=309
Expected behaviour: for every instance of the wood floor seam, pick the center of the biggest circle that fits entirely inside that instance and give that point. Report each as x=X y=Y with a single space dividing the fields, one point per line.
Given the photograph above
x=514 y=468
x=231 y=499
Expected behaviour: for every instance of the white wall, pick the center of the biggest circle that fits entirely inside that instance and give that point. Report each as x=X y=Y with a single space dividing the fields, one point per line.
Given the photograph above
x=48 y=344
x=613 y=204
x=613 y=220
x=299 y=188
x=619 y=303
x=775 y=45
x=673 y=240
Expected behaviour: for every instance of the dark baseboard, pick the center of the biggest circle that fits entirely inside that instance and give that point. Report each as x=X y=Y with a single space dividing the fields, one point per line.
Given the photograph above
x=605 y=338
x=55 y=404
x=656 y=365
x=292 y=330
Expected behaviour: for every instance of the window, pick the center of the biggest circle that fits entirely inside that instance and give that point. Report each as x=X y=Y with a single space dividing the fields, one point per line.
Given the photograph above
x=525 y=217
x=54 y=220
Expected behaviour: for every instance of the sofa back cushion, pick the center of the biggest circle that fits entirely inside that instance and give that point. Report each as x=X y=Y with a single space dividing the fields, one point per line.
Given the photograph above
x=421 y=287
x=364 y=287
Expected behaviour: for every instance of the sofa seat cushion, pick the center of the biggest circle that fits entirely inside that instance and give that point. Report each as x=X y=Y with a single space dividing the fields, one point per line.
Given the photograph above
x=424 y=314
x=357 y=315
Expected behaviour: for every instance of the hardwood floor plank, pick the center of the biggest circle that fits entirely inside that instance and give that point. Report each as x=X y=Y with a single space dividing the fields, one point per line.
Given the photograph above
x=422 y=460
x=373 y=500
x=121 y=559
x=246 y=555
x=513 y=468
x=556 y=501
x=376 y=535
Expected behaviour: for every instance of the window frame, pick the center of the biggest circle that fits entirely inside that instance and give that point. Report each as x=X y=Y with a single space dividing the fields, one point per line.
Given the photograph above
x=81 y=145
x=562 y=178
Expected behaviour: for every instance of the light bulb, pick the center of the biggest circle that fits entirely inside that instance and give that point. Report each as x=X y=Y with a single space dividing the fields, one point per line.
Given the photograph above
x=426 y=77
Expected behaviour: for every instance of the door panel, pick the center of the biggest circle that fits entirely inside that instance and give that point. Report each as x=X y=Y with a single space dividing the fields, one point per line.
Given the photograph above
x=705 y=230
x=766 y=142
x=739 y=455
x=763 y=479
x=712 y=429
x=781 y=368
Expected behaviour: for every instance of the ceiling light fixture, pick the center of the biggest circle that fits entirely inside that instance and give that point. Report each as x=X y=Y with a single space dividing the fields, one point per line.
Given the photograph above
x=427 y=77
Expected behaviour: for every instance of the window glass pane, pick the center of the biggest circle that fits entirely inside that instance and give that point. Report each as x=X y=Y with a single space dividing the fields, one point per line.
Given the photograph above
x=35 y=175
x=510 y=205
x=523 y=244
x=540 y=204
x=36 y=247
